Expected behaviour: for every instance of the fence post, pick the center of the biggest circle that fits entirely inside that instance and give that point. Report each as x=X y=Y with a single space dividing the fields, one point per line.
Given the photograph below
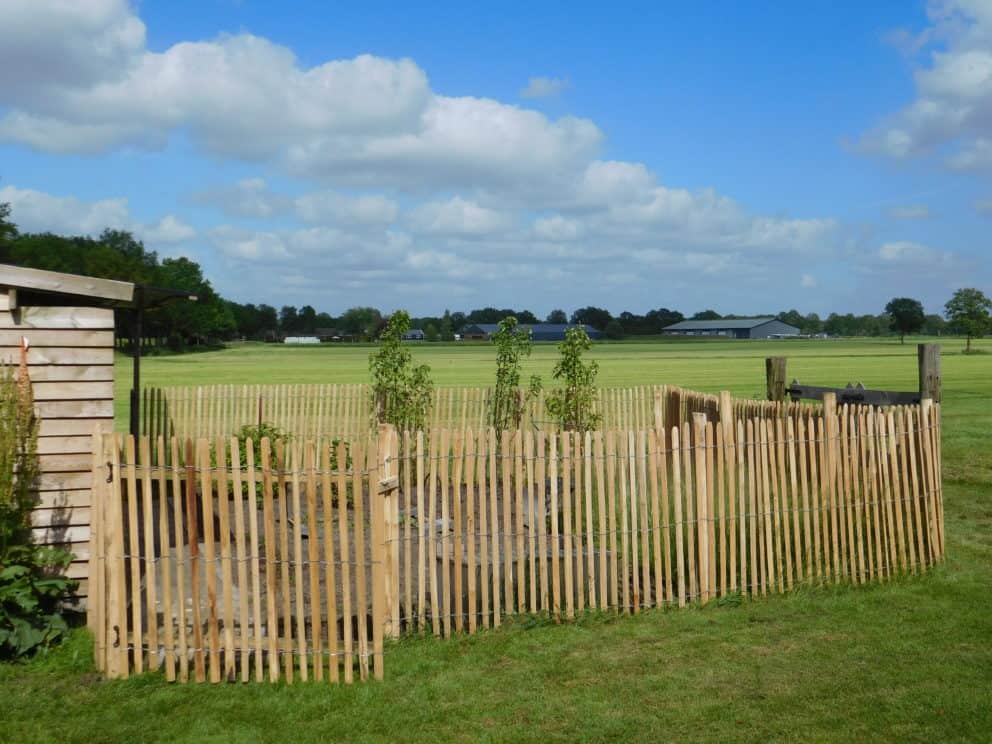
x=386 y=534
x=702 y=504
x=832 y=450
x=96 y=602
x=116 y=665
x=659 y=409
x=775 y=378
x=928 y=358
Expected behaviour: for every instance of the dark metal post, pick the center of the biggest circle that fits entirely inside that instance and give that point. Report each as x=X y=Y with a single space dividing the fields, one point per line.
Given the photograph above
x=139 y=312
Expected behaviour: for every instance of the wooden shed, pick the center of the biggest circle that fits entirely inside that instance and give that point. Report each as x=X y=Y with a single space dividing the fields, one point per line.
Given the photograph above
x=67 y=322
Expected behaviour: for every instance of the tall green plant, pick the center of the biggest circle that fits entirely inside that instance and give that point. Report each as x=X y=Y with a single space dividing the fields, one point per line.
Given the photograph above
x=506 y=407
x=401 y=390
x=31 y=585
x=573 y=405
x=18 y=459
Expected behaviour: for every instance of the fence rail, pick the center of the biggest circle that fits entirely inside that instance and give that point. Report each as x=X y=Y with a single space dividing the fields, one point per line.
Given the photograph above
x=297 y=561
x=345 y=411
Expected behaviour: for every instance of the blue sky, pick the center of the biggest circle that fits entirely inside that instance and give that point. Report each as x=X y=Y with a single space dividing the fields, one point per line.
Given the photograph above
x=748 y=157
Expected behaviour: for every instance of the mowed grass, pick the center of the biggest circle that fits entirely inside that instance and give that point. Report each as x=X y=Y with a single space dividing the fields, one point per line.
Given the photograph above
x=909 y=660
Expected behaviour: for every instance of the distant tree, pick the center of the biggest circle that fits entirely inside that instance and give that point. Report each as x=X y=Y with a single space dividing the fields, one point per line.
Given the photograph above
x=527 y=317
x=323 y=320
x=289 y=319
x=662 y=318
x=792 y=317
x=307 y=319
x=556 y=316
x=905 y=316
x=458 y=321
x=431 y=333
x=596 y=317
x=934 y=325
x=614 y=330
x=361 y=321
x=707 y=315
x=812 y=325
x=447 y=327
x=207 y=318
x=8 y=231
x=268 y=320
x=968 y=313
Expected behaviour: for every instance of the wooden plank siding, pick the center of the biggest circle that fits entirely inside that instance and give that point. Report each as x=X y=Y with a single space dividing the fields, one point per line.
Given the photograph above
x=71 y=366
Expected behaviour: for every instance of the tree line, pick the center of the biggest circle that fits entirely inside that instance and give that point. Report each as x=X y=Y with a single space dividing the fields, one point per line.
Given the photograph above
x=117 y=254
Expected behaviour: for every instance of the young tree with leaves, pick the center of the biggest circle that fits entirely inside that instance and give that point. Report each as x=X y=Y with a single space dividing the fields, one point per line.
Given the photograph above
x=968 y=313
x=401 y=390
x=905 y=316
x=573 y=405
x=507 y=404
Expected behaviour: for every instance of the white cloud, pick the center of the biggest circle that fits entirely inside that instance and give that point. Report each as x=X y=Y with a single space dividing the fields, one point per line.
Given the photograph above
x=952 y=111
x=457 y=217
x=37 y=211
x=984 y=206
x=807 y=281
x=909 y=212
x=64 y=44
x=544 y=87
x=906 y=252
x=249 y=197
x=328 y=207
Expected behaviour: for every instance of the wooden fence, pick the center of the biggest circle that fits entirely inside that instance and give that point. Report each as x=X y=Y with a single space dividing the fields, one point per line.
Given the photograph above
x=300 y=562
x=344 y=411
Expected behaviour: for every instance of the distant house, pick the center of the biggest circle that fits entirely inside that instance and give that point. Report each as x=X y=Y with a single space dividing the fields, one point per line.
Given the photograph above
x=741 y=328
x=538 y=331
x=414 y=334
x=301 y=340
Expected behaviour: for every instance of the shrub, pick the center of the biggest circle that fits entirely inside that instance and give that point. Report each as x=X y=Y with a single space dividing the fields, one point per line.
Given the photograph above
x=572 y=405
x=401 y=391
x=32 y=588
x=507 y=404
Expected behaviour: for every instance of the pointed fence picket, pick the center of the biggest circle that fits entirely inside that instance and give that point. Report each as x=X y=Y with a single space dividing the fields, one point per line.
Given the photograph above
x=220 y=559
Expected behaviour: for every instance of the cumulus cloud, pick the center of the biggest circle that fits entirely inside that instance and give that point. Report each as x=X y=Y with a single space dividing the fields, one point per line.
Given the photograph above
x=952 y=111
x=37 y=211
x=456 y=216
x=904 y=251
x=353 y=121
x=544 y=87
x=807 y=281
x=909 y=212
x=329 y=207
x=249 y=197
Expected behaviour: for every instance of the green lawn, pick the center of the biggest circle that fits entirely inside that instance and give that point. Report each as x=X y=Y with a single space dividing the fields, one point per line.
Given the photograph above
x=908 y=660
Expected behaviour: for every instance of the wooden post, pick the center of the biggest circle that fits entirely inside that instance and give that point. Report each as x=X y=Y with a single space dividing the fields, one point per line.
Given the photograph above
x=659 y=410
x=387 y=510
x=775 y=378
x=702 y=504
x=928 y=357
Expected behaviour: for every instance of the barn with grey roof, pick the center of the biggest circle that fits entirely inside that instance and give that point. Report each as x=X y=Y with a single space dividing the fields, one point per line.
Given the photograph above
x=738 y=328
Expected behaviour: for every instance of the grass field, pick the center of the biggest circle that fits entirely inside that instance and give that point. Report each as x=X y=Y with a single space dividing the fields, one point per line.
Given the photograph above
x=909 y=660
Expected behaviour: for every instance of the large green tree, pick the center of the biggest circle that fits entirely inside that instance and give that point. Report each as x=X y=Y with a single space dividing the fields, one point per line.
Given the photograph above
x=905 y=316
x=968 y=313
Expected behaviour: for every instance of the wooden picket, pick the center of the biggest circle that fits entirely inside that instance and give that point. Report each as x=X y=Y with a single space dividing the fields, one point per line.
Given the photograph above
x=294 y=560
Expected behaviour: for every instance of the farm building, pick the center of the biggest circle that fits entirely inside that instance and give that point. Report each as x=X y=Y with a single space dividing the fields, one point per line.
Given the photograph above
x=538 y=331
x=414 y=334
x=66 y=322
x=742 y=328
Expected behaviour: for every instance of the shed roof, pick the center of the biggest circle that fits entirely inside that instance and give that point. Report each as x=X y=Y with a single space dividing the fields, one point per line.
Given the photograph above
x=105 y=292
x=715 y=325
